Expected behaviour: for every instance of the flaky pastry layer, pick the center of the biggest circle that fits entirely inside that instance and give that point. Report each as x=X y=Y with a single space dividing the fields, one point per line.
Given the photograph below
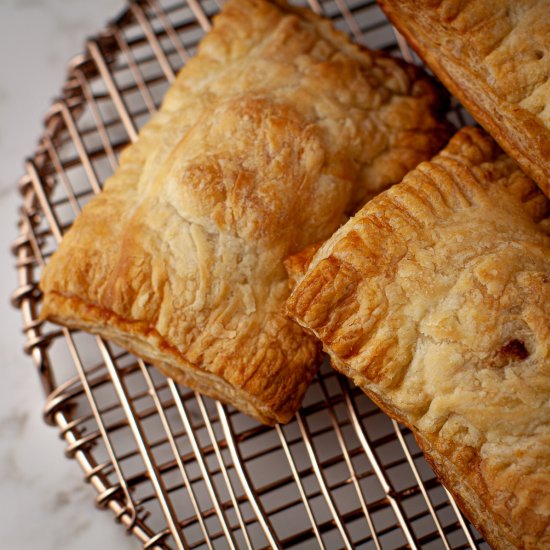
x=435 y=300
x=494 y=56
x=275 y=132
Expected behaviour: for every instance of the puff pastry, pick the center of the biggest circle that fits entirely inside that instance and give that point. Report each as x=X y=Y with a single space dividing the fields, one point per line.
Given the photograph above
x=278 y=129
x=435 y=300
x=494 y=56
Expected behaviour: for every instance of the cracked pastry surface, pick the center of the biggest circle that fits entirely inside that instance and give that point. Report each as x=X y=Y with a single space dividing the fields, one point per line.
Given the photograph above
x=494 y=56
x=435 y=300
x=278 y=129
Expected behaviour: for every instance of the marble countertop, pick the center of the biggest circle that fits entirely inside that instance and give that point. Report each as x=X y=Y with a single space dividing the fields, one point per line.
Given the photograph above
x=43 y=500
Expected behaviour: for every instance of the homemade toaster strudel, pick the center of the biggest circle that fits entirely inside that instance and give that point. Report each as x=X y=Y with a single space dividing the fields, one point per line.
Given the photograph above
x=435 y=300
x=278 y=129
x=494 y=56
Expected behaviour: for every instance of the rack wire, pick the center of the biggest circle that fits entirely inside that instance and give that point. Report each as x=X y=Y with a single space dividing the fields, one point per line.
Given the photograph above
x=179 y=470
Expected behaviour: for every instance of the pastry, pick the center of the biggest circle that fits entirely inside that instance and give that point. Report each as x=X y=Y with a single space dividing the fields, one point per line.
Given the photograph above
x=435 y=300
x=274 y=133
x=494 y=56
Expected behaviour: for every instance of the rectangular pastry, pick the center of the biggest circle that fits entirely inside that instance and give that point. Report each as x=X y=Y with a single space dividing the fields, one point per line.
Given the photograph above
x=278 y=129
x=494 y=56
x=435 y=300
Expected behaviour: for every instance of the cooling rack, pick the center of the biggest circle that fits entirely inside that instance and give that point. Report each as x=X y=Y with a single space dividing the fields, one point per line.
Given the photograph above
x=176 y=469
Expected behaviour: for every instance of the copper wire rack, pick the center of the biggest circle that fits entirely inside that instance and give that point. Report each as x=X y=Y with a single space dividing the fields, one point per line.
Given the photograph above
x=179 y=470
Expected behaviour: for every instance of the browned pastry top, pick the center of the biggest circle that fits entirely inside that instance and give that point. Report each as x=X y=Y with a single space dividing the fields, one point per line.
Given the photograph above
x=269 y=137
x=435 y=299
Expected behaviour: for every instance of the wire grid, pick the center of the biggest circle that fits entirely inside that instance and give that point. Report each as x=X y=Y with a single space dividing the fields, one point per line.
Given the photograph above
x=177 y=469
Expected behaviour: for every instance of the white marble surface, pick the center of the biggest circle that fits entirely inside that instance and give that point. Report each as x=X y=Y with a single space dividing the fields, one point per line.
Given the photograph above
x=43 y=502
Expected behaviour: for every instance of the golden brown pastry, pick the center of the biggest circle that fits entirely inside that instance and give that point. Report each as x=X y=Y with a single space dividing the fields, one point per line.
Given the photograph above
x=435 y=300
x=494 y=56
x=274 y=133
